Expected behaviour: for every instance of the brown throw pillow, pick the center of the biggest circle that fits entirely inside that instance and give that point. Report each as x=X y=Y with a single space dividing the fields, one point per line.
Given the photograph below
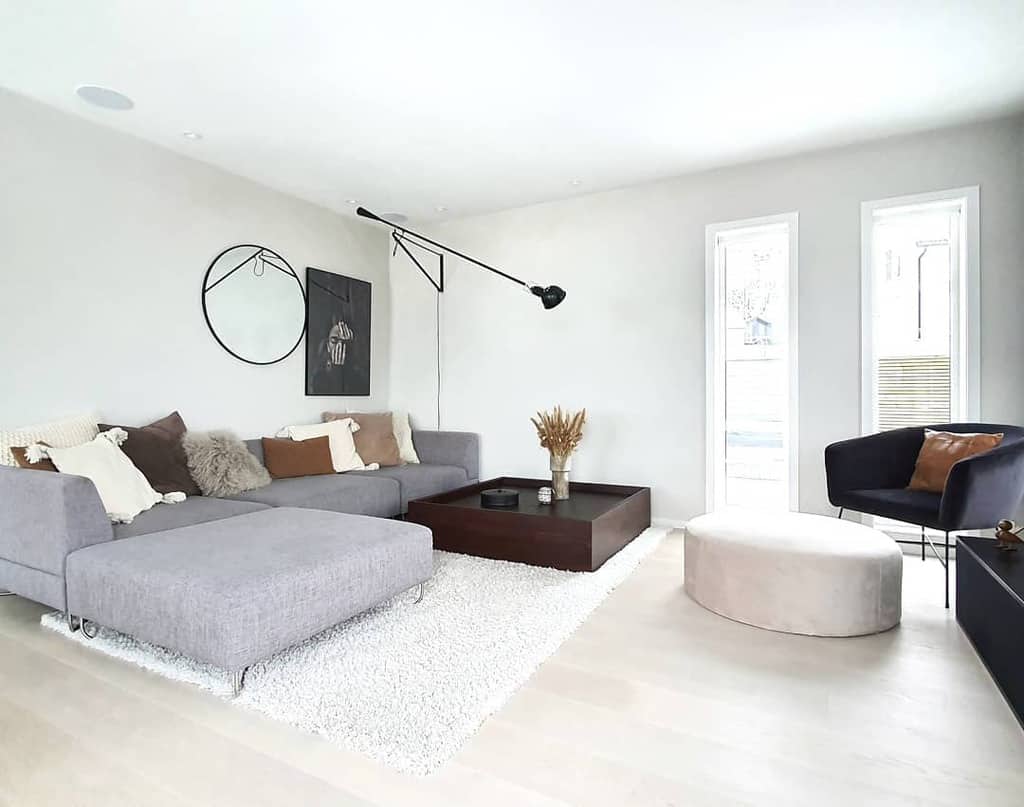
x=939 y=453
x=156 y=451
x=19 y=457
x=375 y=440
x=285 y=457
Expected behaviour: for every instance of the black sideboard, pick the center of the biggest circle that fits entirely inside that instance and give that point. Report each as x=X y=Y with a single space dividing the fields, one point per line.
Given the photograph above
x=990 y=609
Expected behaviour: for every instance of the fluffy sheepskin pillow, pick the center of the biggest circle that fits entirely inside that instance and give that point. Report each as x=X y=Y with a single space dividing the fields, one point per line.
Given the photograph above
x=221 y=464
x=344 y=456
x=123 y=489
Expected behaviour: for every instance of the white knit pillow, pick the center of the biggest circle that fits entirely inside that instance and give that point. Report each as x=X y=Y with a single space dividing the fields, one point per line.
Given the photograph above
x=344 y=456
x=65 y=433
x=122 y=487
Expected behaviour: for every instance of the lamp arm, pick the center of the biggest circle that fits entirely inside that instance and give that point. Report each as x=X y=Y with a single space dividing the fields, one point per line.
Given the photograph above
x=366 y=214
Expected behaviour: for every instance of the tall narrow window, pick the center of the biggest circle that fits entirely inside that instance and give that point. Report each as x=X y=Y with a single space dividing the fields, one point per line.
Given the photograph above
x=751 y=363
x=919 y=259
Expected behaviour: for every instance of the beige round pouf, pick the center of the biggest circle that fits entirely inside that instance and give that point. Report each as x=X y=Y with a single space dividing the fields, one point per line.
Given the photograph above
x=794 y=572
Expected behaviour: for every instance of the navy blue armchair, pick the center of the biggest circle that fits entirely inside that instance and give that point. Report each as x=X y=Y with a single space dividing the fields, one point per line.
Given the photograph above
x=870 y=475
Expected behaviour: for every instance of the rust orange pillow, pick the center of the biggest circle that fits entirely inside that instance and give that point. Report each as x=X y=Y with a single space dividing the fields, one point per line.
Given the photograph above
x=940 y=451
x=286 y=458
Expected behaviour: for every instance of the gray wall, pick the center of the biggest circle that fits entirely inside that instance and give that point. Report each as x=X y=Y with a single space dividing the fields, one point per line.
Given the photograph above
x=628 y=343
x=105 y=242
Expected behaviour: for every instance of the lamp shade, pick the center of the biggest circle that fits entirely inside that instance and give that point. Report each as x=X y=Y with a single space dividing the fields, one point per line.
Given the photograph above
x=550 y=296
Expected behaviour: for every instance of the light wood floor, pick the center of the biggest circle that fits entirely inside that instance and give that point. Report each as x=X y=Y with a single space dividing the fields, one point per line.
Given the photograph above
x=653 y=702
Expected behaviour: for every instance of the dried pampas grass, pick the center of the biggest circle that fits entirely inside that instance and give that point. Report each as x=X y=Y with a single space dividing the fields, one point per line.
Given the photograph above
x=560 y=432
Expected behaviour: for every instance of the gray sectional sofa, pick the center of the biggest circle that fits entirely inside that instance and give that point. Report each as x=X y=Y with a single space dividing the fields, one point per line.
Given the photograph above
x=228 y=581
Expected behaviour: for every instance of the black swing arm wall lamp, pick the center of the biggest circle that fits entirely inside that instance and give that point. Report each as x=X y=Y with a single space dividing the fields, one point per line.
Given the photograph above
x=550 y=296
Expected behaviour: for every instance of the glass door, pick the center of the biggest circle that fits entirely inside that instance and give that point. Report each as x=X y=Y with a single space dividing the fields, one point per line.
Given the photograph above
x=752 y=358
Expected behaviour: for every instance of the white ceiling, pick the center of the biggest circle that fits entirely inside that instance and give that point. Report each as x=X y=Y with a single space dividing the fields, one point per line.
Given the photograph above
x=477 y=105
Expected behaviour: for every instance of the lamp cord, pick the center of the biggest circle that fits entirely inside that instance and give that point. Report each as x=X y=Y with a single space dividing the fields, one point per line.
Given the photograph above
x=437 y=322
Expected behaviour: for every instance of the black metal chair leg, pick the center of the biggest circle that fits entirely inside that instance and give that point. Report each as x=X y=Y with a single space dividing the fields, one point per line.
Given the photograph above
x=841 y=511
x=947 y=569
x=922 y=542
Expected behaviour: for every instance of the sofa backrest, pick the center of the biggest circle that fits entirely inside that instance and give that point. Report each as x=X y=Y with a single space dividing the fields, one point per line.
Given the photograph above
x=256 y=448
x=1011 y=434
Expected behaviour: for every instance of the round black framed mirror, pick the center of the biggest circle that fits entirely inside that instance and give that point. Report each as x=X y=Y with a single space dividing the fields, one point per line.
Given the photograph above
x=254 y=304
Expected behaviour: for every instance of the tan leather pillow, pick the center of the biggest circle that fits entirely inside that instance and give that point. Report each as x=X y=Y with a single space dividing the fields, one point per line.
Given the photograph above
x=286 y=458
x=939 y=453
x=375 y=440
x=19 y=457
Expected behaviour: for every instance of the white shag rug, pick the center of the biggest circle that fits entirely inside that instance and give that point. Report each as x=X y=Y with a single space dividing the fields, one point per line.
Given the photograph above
x=409 y=683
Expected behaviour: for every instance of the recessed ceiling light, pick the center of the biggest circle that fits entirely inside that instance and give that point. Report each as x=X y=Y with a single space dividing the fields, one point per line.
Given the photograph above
x=352 y=201
x=192 y=135
x=104 y=97
x=575 y=182
x=441 y=209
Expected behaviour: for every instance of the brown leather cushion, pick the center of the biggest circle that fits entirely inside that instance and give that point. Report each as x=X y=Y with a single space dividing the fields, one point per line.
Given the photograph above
x=22 y=460
x=285 y=458
x=156 y=451
x=939 y=453
x=375 y=440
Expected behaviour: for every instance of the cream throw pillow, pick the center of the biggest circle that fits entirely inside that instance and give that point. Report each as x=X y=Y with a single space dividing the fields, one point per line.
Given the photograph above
x=60 y=433
x=123 y=489
x=344 y=456
x=403 y=434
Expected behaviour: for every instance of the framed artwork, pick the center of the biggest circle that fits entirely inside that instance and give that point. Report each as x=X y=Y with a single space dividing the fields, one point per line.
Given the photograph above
x=337 y=335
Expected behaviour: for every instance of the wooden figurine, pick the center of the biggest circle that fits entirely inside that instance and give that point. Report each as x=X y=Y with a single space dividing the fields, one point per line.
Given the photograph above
x=1008 y=535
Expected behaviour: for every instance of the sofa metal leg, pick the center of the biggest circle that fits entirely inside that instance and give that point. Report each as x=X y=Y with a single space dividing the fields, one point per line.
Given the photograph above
x=841 y=512
x=922 y=542
x=73 y=622
x=87 y=632
x=419 y=593
x=6 y=593
x=947 y=569
x=238 y=681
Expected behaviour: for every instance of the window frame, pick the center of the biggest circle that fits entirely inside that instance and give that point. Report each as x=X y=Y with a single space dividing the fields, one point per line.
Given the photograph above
x=966 y=362
x=714 y=359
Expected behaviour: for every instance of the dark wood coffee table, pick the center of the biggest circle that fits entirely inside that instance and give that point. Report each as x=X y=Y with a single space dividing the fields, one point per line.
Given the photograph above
x=577 y=535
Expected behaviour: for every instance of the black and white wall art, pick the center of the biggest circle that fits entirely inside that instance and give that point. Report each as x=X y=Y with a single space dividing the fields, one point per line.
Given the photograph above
x=338 y=335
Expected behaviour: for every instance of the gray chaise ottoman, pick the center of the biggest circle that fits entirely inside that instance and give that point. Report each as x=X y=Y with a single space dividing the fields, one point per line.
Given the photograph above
x=235 y=591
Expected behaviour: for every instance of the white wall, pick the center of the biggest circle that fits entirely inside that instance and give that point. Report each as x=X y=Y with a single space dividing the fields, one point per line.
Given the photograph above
x=628 y=342
x=105 y=240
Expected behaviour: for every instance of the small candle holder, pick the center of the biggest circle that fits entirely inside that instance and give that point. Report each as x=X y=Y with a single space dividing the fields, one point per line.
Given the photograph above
x=545 y=495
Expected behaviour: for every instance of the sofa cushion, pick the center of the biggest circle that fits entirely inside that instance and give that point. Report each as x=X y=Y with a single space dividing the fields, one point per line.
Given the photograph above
x=123 y=488
x=902 y=504
x=421 y=480
x=60 y=433
x=375 y=440
x=344 y=456
x=156 y=451
x=194 y=510
x=941 y=450
x=342 y=493
x=221 y=464
x=286 y=458
x=21 y=457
